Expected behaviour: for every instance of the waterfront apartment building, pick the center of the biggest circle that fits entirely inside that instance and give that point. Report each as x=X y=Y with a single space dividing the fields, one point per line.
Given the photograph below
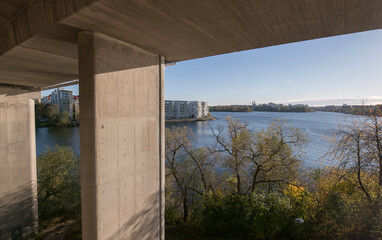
x=64 y=99
x=46 y=99
x=185 y=109
x=76 y=105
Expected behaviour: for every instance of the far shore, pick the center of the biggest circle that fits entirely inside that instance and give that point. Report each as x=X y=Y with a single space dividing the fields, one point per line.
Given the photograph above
x=190 y=120
x=39 y=124
x=76 y=124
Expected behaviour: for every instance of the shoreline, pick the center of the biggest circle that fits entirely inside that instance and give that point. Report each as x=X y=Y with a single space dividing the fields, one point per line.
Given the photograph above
x=49 y=125
x=190 y=120
x=265 y=111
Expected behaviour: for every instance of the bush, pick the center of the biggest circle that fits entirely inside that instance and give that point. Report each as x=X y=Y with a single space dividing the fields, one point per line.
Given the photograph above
x=339 y=210
x=59 y=191
x=171 y=215
x=258 y=216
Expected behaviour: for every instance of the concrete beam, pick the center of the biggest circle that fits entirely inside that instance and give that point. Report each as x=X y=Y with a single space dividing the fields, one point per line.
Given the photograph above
x=18 y=179
x=33 y=17
x=38 y=42
x=122 y=131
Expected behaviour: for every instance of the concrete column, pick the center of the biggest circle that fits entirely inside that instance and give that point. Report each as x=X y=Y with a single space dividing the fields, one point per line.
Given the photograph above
x=122 y=131
x=18 y=189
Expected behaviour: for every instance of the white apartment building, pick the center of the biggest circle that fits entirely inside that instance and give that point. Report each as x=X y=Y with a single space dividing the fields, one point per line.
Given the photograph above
x=185 y=109
x=64 y=99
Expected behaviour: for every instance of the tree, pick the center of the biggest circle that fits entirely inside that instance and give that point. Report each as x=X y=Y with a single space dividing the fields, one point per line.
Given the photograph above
x=60 y=119
x=179 y=174
x=189 y=171
x=269 y=156
x=52 y=110
x=40 y=110
x=357 y=149
x=52 y=113
x=276 y=154
x=234 y=143
x=373 y=129
x=58 y=183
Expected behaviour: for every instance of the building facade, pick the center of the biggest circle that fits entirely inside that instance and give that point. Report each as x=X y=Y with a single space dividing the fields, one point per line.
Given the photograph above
x=46 y=100
x=64 y=99
x=76 y=107
x=186 y=109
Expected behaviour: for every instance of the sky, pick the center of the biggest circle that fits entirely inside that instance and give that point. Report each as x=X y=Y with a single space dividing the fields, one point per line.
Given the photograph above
x=334 y=70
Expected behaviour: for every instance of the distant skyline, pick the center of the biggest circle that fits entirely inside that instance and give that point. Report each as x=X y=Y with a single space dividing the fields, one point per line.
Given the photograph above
x=334 y=70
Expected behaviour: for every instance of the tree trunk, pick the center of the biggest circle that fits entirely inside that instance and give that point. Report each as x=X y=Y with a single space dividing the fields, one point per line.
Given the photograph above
x=238 y=183
x=359 y=172
x=254 y=179
x=378 y=144
x=185 y=207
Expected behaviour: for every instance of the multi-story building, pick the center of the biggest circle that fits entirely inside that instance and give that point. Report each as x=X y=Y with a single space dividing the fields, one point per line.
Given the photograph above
x=199 y=109
x=185 y=109
x=46 y=99
x=64 y=99
x=76 y=107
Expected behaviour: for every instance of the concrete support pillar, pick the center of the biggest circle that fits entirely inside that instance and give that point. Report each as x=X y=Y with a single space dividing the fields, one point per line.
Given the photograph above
x=122 y=137
x=18 y=189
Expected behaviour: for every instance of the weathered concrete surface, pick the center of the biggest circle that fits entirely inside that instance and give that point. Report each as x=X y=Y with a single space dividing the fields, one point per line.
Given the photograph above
x=122 y=124
x=38 y=38
x=18 y=189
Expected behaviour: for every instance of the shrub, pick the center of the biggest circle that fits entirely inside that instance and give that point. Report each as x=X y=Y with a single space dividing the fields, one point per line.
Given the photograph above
x=59 y=193
x=257 y=216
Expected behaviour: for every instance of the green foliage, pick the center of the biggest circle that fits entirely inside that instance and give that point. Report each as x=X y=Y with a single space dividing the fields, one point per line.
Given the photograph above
x=257 y=216
x=221 y=187
x=52 y=114
x=171 y=215
x=355 y=109
x=226 y=216
x=259 y=159
x=337 y=209
x=210 y=190
x=58 y=186
x=40 y=110
x=47 y=111
x=281 y=108
x=52 y=110
x=343 y=202
x=60 y=119
x=230 y=109
x=262 y=108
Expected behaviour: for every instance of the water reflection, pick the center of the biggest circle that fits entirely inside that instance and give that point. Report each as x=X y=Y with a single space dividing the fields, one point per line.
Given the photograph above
x=57 y=136
x=315 y=124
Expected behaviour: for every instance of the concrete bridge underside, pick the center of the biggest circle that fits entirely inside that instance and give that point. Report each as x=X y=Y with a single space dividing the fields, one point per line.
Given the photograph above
x=117 y=49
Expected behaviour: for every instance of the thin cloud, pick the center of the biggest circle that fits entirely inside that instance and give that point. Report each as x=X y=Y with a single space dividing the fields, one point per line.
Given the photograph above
x=332 y=101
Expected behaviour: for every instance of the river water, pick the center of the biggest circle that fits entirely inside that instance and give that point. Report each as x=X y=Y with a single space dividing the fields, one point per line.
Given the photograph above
x=315 y=124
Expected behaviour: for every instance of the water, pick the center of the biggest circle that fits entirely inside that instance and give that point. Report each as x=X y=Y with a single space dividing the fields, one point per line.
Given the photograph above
x=315 y=124
x=49 y=137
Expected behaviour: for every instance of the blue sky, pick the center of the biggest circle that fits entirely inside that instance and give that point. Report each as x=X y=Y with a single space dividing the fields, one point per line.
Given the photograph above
x=324 y=71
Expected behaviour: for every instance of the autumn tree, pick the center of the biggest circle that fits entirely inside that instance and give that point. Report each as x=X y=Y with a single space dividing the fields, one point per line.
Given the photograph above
x=276 y=153
x=373 y=129
x=234 y=142
x=52 y=110
x=356 y=146
x=189 y=170
x=270 y=156
x=58 y=183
